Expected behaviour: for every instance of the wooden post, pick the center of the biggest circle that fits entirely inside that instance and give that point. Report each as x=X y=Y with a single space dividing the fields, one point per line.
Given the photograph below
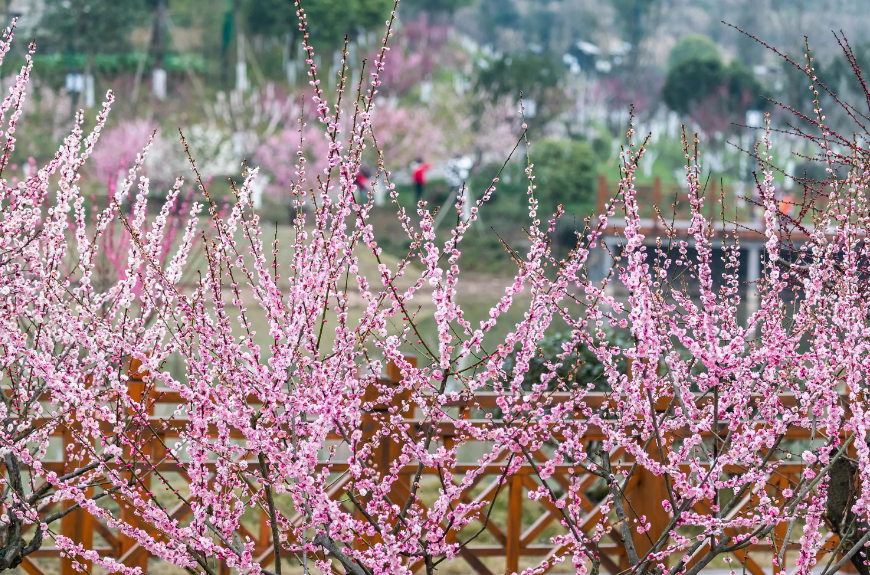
x=602 y=192
x=781 y=528
x=645 y=499
x=674 y=193
x=514 y=524
x=387 y=450
x=136 y=390
x=393 y=449
x=77 y=525
x=265 y=536
x=368 y=425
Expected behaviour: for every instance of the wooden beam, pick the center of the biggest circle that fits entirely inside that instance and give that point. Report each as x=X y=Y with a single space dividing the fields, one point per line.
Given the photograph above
x=31 y=567
x=77 y=525
x=514 y=524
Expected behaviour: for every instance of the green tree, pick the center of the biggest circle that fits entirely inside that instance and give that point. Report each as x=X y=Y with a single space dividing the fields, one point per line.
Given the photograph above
x=700 y=86
x=90 y=26
x=532 y=74
x=744 y=91
x=270 y=17
x=724 y=91
x=634 y=16
x=693 y=47
x=565 y=173
x=435 y=6
x=690 y=82
x=329 y=21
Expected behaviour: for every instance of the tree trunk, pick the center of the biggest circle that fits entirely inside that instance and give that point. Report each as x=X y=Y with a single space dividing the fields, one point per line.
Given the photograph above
x=842 y=492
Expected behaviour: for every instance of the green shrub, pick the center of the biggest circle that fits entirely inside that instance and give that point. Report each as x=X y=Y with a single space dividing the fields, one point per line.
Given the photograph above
x=565 y=173
x=589 y=370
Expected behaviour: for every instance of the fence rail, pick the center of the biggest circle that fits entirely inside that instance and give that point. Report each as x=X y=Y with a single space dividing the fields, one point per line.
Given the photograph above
x=509 y=537
x=664 y=207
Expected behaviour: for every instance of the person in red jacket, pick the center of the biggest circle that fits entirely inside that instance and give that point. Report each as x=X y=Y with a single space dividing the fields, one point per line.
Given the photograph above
x=419 y=177
x=362 y=184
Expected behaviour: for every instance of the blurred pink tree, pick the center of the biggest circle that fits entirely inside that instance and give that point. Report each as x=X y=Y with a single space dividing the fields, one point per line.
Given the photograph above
x=280 y=155
x=121 y=145
x=405 y=134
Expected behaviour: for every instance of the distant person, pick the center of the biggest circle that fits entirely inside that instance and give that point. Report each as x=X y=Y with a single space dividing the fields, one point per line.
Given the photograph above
x=419 y=176
x=786 y=203
x=363 y=183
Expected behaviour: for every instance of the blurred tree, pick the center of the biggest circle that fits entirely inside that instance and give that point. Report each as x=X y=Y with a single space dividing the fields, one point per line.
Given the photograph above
x=435 y=6
x=566 y=172
x=541 y=22
x=693 y=47
x=634 y=16
x=494 y=15
x=270 y=17
x=744 y=91
x=690 y=82
x=90 y=26
x=329 y=21
x=748 y=50
x=839 y=74
x=532 y=74
x=699 y=85
x=512 y=25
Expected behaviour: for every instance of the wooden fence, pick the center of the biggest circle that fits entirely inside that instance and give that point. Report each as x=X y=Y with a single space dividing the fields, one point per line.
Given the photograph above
x=662 y=206
x=672 y=199
x=510 y=538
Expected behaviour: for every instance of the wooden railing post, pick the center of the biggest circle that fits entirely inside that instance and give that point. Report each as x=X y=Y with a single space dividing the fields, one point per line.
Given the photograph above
x=387 y=450
x=781 y=529
x=136 y=390
x=393 y=449
x=370 y=424
x=265 y=536
x=77 y=525
x=514 y=524
x=646 y=501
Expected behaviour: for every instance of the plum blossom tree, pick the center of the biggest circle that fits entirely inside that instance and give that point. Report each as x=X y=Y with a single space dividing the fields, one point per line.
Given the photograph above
x=121 y=145
x=284 y=427
x=289 y=149
x=404 y=134
x=489 y=132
